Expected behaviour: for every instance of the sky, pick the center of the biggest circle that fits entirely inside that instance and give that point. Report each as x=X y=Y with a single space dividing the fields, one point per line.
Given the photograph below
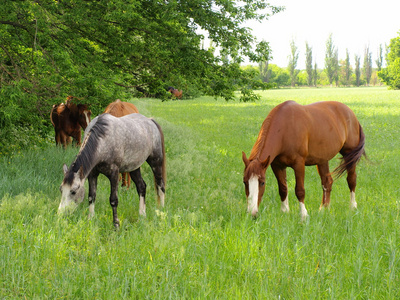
x=354 y=25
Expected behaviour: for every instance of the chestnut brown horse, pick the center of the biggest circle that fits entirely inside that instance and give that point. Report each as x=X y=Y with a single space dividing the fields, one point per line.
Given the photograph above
x=120 y=109
x=175 y=92
x=68 y=119
x=296 y=136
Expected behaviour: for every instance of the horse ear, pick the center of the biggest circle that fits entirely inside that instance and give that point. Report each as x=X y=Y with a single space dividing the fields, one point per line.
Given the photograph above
x=265 y=163
x=245 y=160
x=65 y=168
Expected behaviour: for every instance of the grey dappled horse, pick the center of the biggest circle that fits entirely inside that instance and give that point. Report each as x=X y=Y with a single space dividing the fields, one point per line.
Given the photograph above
x=112 y=145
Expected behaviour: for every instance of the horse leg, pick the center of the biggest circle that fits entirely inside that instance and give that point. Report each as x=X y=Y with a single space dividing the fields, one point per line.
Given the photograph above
x=326 y=181
x=352 y=182
x=92 y=179
x=160 y=184
x=113 y=177
x=299 y=172
x=141 y=190
x=280 y=175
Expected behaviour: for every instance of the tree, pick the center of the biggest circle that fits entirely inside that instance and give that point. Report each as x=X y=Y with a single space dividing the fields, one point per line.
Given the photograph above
x=336 y=67
x=391 y=74
x=315 y=74
x=357 y=70
x=99 y=50
x=331 y=60
x=309 y=67
x=293 y=58
x=367 y=69
x=265 y=72
x=379 y=61
x=347 y=68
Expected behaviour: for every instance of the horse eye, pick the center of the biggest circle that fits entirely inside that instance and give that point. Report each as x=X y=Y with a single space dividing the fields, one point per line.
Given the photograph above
x=262 y=183
x=73 y=193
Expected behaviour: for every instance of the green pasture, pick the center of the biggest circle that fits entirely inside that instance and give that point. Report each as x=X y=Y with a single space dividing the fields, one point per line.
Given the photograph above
x=203 y=245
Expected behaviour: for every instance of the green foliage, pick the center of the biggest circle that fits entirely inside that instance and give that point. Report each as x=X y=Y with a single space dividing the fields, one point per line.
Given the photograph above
x=102 y=50
x=203 y=245
x=391 y=74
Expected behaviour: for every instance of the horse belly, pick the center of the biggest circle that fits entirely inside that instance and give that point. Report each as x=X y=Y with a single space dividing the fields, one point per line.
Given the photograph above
x=324 y=144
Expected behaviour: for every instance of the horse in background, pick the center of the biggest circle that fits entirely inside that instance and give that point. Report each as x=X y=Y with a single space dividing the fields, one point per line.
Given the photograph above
x=296 y=136
x=68 y=119
x=120 y=109
x=112 y=145
x=175 y=92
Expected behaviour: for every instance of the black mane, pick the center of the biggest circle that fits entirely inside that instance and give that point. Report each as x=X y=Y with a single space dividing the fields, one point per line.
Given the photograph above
x=85 y=157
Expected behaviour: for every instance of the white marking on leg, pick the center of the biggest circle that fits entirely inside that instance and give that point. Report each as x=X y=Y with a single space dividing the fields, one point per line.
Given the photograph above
x=252 y=199
x=142 y=206
x=161 y=196
x=285 y=205
x=353 y=203
x=303 y=211
x=91 y=211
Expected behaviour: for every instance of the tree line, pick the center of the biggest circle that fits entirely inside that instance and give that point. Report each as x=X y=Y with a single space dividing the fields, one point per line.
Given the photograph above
x=335 y=72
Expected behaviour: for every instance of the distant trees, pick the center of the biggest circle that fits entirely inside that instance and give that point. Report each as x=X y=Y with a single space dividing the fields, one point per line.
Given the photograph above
x=367 y=65
x=347 y=68
x=309 y=66
x=341 y=72
x=293 y=58
x=357 y=70
x=391 y=74
x=331 y=61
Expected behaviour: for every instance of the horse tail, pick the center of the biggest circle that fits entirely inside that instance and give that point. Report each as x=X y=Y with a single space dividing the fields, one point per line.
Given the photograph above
x=351 y=159
x=164 y=169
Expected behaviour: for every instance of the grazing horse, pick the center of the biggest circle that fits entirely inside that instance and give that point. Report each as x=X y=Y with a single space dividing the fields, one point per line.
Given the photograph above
x=120 y=109
x=175 y=92
x=112 y=145
x=67 y=120
x=296 y=136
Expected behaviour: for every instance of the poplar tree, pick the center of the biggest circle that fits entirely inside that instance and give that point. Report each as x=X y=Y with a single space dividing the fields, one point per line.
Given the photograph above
x=293 y=58
x=379 y=61
x=367 y=69
x=309 y=66
x=357 y=70
x=331 y=60
x=347 y=67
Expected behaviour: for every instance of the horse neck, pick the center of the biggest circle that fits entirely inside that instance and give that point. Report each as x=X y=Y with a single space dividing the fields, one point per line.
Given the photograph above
x=267 y=144
x=87 y=158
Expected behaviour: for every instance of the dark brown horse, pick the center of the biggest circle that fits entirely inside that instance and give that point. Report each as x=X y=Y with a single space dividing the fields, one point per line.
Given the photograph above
x=120 y=109
x=296 y=136
x=175 y=92
x=68 y=119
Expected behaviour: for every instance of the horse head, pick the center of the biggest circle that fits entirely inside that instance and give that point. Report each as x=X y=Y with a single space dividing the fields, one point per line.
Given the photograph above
x=254 y=182
x=72 y=189
x=84 y=115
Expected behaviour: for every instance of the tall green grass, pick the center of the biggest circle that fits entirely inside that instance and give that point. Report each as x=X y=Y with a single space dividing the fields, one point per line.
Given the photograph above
x=203 y=244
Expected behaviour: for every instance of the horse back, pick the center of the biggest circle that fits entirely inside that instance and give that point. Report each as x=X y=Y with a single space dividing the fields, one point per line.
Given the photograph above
x=316 y=132
x=120 y=109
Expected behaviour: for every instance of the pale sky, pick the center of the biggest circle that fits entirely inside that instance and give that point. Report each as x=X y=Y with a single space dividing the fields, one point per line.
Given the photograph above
x=354 y=24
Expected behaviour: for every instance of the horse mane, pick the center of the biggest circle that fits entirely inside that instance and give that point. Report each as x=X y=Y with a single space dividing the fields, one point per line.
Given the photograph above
x=262 y=136
x=90 y=144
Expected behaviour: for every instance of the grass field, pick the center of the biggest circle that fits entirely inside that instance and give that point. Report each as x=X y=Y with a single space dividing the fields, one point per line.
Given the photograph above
x=203 y=245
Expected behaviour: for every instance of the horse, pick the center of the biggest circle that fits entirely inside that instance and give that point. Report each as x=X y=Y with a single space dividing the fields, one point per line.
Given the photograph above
x=175 y=92
x=119 y=109
x=68 y=119
x=296 y=136
x=112 y=145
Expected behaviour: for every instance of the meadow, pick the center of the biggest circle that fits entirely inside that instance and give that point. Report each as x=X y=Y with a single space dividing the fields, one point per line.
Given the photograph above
x=203 y=245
